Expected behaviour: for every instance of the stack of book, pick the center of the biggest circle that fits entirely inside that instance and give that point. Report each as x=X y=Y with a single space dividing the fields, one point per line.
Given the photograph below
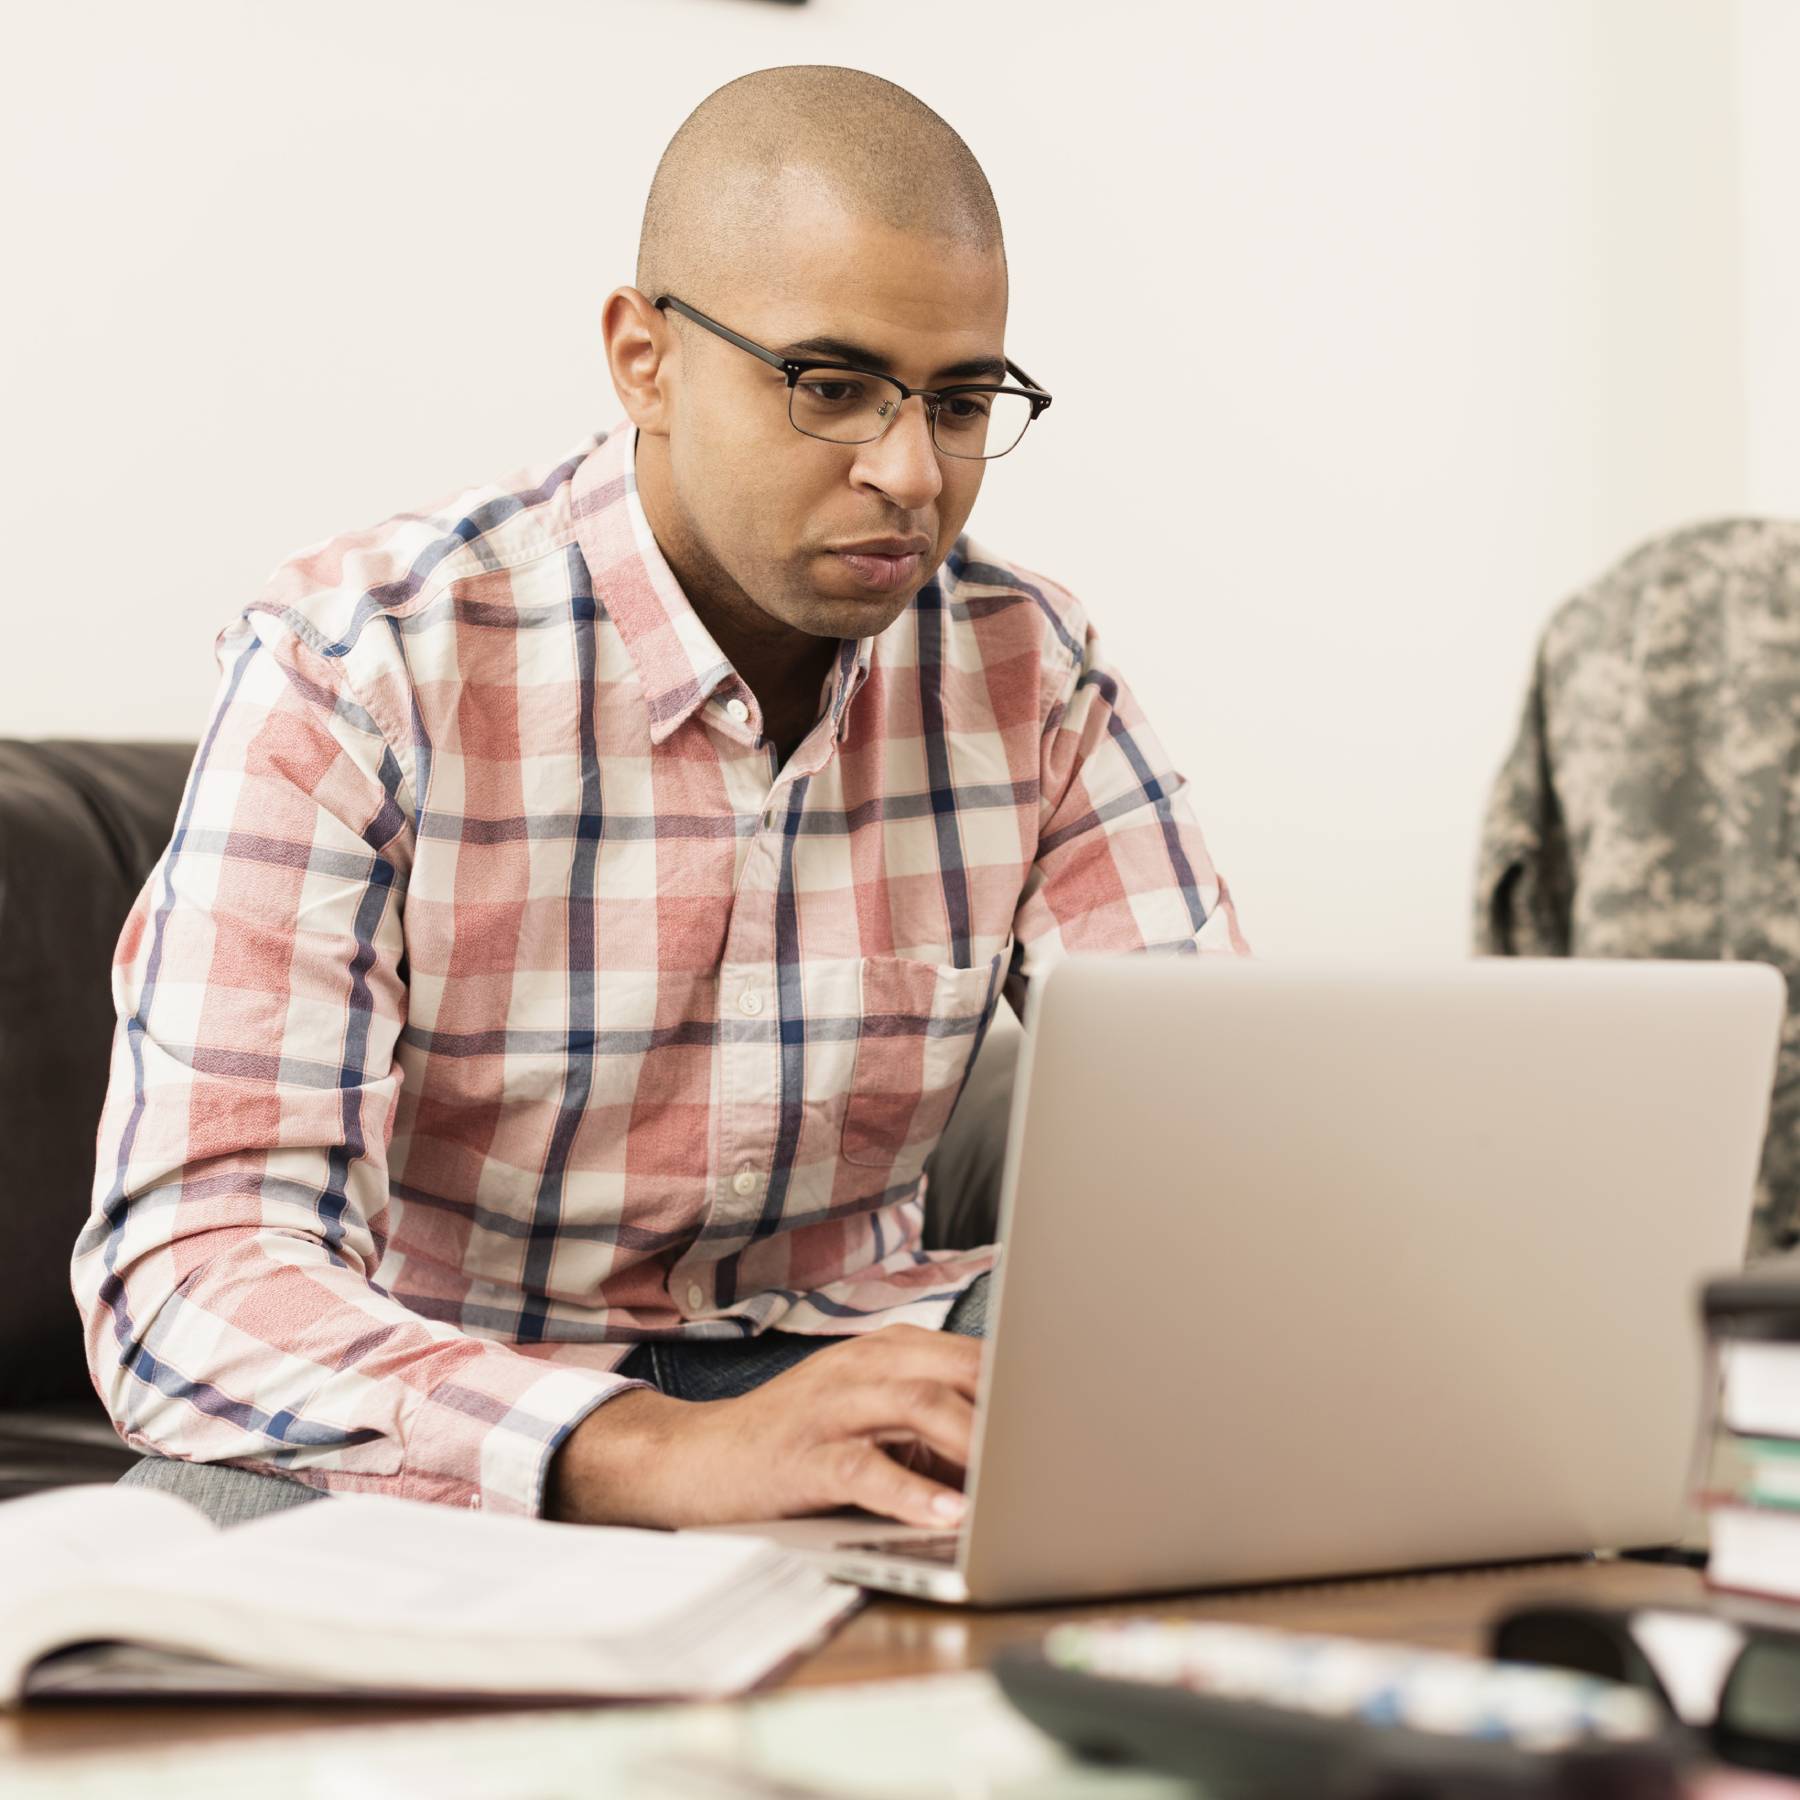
x=1753 y=1507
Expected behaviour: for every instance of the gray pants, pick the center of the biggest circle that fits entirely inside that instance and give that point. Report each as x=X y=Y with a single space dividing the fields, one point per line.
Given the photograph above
x=686 y=1368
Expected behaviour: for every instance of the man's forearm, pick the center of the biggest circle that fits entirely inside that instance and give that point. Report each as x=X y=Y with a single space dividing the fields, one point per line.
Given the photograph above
x=605 y=1471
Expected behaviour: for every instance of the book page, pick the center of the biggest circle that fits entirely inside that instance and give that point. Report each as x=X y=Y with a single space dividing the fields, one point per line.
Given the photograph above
x=438 y=1570
x=134 y=1669
x=394 y=1595
x=70 y=1534
x=80 y=1538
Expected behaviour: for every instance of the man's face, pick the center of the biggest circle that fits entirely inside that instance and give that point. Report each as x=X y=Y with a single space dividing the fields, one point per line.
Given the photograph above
x=766 y=516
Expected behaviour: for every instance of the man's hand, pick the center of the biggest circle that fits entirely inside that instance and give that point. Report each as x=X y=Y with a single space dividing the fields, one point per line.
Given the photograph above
x=807 y=1441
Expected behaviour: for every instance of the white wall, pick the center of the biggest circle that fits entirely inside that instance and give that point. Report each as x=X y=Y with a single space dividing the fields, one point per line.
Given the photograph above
x=1769 y=52
x=1375 y=328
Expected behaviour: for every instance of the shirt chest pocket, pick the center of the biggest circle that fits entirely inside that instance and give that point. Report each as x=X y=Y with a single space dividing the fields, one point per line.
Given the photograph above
x=920 y=1025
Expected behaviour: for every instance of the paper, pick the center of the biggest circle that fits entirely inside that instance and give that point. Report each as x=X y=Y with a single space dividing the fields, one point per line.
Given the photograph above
x=953 y=1736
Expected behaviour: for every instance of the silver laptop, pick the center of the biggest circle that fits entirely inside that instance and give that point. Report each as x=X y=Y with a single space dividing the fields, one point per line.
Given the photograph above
x=1318 y=1270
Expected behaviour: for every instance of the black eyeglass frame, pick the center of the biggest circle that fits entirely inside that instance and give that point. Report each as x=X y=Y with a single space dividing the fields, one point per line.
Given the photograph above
x=933 y=397
x=1598 y=1640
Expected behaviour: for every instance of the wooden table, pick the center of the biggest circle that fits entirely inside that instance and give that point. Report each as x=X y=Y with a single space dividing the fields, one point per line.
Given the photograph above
x=892 y=1639
x=1444 y=1611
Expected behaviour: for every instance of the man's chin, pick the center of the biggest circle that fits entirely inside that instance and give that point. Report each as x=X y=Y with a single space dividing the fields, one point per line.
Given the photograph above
x=858 y=607
x=835 y=616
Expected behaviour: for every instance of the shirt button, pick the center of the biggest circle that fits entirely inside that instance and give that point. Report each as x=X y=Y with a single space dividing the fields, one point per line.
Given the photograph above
x=738 y=711
x=744 y=1182
x=696 y=1296
x=750 y=1002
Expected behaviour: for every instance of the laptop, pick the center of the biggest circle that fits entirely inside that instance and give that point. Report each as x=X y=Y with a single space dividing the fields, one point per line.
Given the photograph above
x=1323 y=1270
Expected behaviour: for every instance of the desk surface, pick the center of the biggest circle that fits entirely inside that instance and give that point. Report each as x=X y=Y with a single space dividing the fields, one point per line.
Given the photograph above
x=894 y=1639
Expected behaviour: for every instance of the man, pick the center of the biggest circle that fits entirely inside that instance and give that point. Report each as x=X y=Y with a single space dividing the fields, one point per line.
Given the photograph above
x=590 y=894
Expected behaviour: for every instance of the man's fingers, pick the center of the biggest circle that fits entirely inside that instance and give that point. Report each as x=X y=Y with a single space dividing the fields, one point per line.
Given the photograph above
x=871 y=1479
x=907 y=1352
x=921 y=1459
x=814 y=1434
x=940 y=1417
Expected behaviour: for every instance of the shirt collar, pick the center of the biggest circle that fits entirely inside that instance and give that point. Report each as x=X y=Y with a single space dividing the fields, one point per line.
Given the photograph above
x=849 y=684
x=677 y=659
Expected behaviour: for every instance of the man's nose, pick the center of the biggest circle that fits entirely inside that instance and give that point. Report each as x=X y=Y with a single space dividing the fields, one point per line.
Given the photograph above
x=903 y=461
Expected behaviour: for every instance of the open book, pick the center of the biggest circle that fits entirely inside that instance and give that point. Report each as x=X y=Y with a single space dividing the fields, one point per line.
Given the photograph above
x=108 y=1590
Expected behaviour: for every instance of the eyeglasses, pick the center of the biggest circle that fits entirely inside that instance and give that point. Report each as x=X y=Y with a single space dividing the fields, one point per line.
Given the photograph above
x=843 y=404
x=1747 y=1677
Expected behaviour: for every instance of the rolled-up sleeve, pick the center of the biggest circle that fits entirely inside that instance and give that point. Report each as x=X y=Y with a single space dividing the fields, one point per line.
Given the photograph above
x=1121 y=862
x=230 y=1274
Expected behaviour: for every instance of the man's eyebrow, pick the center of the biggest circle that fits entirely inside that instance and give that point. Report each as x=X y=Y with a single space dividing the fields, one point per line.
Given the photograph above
x=974 y=368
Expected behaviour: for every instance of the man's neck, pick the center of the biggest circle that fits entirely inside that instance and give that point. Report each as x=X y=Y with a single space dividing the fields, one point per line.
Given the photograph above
x=785 y=669
x=785 y=673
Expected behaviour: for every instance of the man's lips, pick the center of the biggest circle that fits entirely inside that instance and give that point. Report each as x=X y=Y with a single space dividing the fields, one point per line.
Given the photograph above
x=883 y=573
x=882 y=564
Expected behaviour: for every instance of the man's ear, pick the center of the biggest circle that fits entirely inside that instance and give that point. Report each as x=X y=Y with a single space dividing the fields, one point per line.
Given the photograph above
x=641 y=352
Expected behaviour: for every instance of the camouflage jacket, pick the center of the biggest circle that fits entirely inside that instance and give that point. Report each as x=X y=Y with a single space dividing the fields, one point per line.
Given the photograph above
x=1651 y=804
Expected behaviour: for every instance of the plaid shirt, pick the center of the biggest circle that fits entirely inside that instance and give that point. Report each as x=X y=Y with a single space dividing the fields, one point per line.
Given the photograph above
x=499 y=1003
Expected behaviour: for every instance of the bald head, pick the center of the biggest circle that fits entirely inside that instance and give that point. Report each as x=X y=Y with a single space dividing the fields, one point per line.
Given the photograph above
x=810 y=138
x=843 y=229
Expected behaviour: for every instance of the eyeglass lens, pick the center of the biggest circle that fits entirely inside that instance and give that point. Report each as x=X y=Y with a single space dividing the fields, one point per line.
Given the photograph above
x=1762 y=1698
x=846 y=408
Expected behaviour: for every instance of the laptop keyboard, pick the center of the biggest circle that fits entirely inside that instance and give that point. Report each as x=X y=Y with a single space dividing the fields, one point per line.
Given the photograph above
x=941 y=1548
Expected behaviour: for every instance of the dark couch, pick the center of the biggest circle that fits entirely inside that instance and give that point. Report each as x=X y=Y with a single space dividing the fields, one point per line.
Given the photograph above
x=81 y=824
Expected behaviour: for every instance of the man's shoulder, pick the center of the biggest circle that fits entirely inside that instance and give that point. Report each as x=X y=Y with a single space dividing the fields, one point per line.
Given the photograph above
x=1002 y=603
x=329 y=592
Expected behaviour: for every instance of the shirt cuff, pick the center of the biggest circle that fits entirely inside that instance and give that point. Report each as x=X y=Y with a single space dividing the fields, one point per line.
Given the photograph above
x=483 y=1437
